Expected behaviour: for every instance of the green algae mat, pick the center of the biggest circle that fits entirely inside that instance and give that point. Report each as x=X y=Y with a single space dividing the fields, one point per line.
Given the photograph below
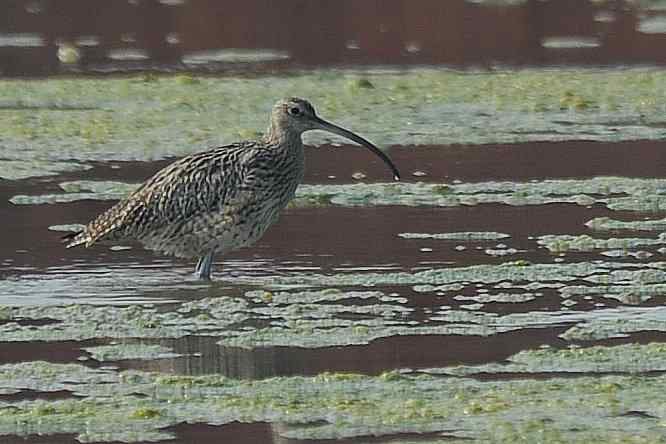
x=536 y=395
x=53 y=126
x=570 y=323
x=134 y=406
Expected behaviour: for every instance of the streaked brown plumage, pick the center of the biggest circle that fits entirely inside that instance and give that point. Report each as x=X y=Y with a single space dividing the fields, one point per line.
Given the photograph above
x=218 y=200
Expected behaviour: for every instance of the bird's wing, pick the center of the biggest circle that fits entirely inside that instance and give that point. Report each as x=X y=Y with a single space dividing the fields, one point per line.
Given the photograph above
x=195 y=184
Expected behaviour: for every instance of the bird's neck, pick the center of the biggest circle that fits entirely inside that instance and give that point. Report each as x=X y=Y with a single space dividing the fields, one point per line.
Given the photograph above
x=283 y=139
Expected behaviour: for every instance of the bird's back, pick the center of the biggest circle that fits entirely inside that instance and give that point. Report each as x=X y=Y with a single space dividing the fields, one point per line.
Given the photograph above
x=227 y=195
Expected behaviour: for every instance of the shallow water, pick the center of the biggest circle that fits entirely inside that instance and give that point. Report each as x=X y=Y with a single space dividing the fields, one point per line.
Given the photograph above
x=41 y=38
x=512 y=280
x=329 y=238
x=462 y=287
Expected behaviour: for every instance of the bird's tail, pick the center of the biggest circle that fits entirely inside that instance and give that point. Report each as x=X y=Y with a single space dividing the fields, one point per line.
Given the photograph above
x=75 y=238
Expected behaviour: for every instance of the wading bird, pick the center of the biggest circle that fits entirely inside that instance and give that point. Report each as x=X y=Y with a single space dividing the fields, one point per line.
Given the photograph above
x=219 y=200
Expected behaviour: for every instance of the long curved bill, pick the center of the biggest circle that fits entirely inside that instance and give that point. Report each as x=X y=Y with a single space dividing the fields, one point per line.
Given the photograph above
x=327 y=126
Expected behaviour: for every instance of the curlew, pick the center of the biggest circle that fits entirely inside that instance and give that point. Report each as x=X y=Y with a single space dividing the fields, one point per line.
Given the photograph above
x=219 y=200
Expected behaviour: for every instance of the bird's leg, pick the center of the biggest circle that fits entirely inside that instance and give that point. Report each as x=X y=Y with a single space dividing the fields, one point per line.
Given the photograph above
x=204 y=266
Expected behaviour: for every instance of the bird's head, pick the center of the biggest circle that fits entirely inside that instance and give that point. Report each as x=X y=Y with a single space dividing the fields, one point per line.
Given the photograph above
x=294 y=116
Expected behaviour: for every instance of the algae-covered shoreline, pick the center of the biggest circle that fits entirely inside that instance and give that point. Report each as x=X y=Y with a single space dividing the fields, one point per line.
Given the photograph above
x=134 y=406
x=55 y=125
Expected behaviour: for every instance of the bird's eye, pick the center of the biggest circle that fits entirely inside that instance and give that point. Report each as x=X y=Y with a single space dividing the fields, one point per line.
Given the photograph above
x=295 y=111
